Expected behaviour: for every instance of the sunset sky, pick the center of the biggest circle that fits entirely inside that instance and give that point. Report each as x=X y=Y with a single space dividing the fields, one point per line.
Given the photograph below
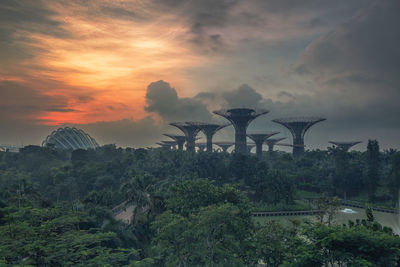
x=123 y=69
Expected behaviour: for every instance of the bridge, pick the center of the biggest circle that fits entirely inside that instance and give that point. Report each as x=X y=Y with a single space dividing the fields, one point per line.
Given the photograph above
x=285 y=213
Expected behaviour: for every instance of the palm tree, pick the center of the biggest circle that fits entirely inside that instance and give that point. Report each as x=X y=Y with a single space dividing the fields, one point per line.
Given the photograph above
x=143 y=193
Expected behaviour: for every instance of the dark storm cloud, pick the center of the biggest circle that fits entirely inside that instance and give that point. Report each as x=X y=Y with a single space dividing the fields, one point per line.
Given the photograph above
x=19 y=101
x=342 y=114
x=163 y=100
x=205 y=96
x=284 y=94
x=244 y=96
x=289 y=6
x=366 y=45
x=346 y=120
x=85 y=98
x=104 y=9
x=27 y=15
x=357 y=66
x=354 y=68
x=201 y=13
x=20 y=17
x=219 y=13
x=214 y=24
x=200 y=16
x=118 y=12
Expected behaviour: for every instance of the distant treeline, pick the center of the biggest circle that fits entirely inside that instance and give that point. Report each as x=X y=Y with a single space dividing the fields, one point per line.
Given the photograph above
x=61 y=175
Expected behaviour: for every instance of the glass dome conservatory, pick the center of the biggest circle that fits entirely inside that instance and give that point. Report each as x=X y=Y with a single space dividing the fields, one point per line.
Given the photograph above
x=70 y=138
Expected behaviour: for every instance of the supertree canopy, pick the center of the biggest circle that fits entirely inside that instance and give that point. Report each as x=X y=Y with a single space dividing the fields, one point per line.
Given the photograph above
x=190 y=129
x=298 y=126
x=179 y=139
x=345 y=145
x=209 y=129
x=259 y=139
x=240 y=119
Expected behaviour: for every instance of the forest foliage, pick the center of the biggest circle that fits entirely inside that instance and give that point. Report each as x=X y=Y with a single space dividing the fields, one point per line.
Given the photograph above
x=57 y=208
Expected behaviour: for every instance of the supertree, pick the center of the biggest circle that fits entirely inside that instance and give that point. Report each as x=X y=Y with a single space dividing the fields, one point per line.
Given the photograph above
x=240 y=119
x=259 y=139
x=345 y=145
x=167 y=144
x=298 y=127
x=209 y=129
x=271 y=142
x=224 y=145
x=201 y=146
x=190 y=129
x=179 y=139
x=250 y=146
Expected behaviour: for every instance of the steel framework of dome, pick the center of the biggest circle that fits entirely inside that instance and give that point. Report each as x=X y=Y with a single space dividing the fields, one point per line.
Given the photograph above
x=298 y=126
x=70 y=138
x=240 y=119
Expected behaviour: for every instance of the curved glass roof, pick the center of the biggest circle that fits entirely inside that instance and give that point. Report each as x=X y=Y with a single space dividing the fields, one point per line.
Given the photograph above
x=70 y=138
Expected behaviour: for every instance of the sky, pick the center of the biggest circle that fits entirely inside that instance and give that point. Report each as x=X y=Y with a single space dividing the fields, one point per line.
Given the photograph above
x=123 y=69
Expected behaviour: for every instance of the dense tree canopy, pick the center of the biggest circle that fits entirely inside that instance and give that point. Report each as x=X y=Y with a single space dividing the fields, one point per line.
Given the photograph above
x=58 y=207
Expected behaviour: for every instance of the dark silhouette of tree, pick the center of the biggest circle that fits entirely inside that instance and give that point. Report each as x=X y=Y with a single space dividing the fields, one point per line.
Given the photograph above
x=342 y=168
x=394 y=178
x=373 y=165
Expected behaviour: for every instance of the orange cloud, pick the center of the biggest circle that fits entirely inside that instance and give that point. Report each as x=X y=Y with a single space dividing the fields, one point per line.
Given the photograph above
x=111 y=60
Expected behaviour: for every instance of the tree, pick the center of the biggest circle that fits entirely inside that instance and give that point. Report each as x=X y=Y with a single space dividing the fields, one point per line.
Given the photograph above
x=341 y=177
x=204 y=225
x=57 y=237
x=347 y=246
x=369 y=214
x=223 y=233
x=272 y=243
x=327 y=208
x=215 y=235
x=173 y=243
x=373 y=163
x=394 y=178
x=189 y=196
x=273 y=187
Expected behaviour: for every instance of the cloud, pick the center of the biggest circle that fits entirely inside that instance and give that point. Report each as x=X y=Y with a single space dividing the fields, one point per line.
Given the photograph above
x=49 y=102
x=112 y=49
x=365 y=45
x=356 y=67
x=215 y=26
x=163 y=100
x=77 y=61
x=346 y=120
x=244 y=96
x=21 y=102
x=285 y=95
x=17 y=19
